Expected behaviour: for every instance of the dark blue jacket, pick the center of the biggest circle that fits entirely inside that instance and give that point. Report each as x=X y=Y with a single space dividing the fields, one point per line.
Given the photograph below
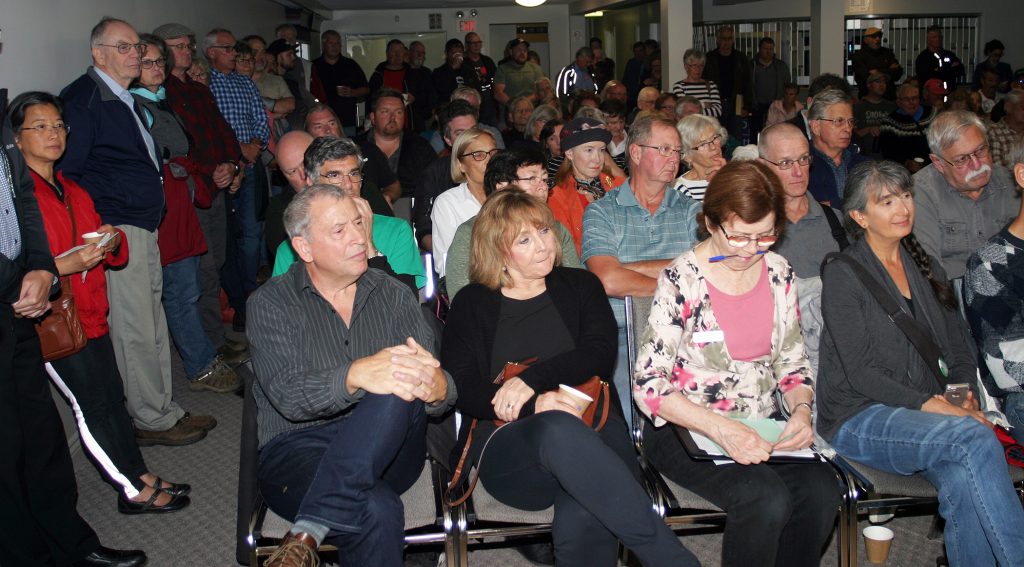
x=822 y=183
x=107 y=155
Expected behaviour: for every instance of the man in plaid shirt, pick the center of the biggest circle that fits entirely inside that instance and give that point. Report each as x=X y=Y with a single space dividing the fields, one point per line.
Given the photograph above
x=1003 y=134
x=216 y=152
x=240 y=103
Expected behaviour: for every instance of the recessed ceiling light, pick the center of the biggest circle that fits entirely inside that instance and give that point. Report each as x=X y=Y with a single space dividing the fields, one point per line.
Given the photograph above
x=530 y=3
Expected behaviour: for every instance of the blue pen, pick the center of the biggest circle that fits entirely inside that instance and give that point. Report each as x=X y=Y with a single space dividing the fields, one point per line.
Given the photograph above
x=720 y=258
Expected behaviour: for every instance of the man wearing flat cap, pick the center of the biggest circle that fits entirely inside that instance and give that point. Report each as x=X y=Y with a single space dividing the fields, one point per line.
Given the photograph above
x=873 y=57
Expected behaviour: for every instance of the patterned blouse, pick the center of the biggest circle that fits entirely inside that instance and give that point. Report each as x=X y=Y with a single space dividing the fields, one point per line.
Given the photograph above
x=670 y=361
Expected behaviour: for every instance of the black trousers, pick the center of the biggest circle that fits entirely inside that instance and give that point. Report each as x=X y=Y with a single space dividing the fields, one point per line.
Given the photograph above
x=94 y=380
x=39 y=524
x=778 y=514
x=553 y=458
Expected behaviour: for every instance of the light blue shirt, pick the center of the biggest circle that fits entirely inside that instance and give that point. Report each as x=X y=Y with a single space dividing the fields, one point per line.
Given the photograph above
x=618 y=225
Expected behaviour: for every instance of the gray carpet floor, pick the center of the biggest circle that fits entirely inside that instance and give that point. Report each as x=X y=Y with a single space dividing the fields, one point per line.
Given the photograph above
x=203 y=534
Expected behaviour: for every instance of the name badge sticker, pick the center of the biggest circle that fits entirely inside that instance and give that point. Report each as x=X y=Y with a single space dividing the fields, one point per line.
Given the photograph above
x=703 y=337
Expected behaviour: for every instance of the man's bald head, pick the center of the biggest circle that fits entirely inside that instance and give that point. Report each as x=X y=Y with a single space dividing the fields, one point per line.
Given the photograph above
x=291 y=149
x=646 y=98
x=773 y=134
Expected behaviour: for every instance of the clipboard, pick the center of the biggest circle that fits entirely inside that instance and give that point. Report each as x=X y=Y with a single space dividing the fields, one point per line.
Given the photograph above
x=700 y=448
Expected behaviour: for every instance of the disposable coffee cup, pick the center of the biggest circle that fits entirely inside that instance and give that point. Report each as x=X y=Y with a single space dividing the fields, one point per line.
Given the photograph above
x=877 y=541
x=582 y=399
x=919 y=160
x=91 y=237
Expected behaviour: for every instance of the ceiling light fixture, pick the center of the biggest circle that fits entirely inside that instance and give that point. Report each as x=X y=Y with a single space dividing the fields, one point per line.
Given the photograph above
x=597 y=14
x=530 y=3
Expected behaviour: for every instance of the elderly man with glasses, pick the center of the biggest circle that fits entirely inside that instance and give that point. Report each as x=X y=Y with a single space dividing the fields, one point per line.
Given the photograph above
x=636 y=229
x=114 y=157
x=240 y=102
x=831 y=122
x=962 y=198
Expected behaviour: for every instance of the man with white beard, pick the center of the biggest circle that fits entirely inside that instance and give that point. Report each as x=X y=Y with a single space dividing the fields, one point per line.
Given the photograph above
x=962 y=199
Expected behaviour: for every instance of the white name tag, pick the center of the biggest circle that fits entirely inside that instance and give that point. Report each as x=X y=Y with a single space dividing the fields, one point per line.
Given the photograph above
x=715 y=336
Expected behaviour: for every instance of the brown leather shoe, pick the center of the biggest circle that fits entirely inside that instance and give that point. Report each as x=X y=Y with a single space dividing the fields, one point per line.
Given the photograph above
x=182 y=433
x=296 y=550
x=204 y=422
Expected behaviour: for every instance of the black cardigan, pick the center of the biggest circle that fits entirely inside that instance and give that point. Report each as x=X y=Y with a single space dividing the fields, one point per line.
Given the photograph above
x=469 y=341
x=865 y=358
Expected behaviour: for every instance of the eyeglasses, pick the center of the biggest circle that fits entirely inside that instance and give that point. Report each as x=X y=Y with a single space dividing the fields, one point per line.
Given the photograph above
x=963 y=161
x=59 y=128
x=666 y=151
x=182 y=46
x=243 y=60
x=709 y=144
x=148 y=63
x=840 y=122
x=224 y=47
x=124 y=48
x=335 y=177
x=668 y=106
x=742 y=241
x=480 y=155
x=785 y=164
x=534 y=179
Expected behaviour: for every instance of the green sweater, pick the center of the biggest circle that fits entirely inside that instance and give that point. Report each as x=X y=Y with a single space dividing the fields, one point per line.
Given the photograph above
x=392 y=236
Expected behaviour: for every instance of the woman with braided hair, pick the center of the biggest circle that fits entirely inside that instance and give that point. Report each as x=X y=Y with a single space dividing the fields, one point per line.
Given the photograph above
x=881 y=399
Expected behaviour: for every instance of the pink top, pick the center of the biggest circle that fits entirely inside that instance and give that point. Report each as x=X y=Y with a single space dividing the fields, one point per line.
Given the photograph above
x=746 y=320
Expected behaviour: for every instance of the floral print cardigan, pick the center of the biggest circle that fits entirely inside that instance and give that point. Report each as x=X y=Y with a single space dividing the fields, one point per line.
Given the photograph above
x=670 y=361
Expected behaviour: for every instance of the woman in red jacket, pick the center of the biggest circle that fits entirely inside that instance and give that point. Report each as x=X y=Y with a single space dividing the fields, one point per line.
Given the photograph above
x=89 y=378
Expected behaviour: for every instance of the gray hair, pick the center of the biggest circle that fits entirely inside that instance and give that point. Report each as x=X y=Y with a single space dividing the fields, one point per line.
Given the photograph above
x=100 y=29
x=592 y=113
x=325 y=149
x=296 y=215
x=693 y=55
x=870 y=181
x=585 y=52
x=1015 y=155
x=905 y=88
x=210 y=39
x=544 y=112
x=826 y=99
x=684 y=100
x=692 y=127
x=461 y=93
x=158 y=43
x=1014 y=97
x=949 y=126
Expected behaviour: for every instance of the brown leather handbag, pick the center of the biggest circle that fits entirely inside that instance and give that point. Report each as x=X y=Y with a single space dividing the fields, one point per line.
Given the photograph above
x=596 y=388
x=60 y=331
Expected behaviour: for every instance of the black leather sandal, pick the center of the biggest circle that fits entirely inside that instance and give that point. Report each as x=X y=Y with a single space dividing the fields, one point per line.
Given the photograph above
x=175 y=488
x=126 y=506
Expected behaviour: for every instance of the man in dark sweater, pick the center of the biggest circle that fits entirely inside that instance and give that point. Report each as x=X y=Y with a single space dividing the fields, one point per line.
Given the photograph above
x=873 y=58
x=113 y=157
x=732 y=72
x=338 y=81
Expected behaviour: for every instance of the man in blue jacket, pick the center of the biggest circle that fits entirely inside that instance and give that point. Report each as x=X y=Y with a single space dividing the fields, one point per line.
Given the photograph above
x=113 y=156
x=830 y=120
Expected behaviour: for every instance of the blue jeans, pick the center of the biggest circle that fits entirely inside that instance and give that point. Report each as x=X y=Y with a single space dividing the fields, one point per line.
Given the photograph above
x=965 y=462
x=244 y=236
x=181 y=305
x=1013 y=407
x=621 y=378
x=348 y=475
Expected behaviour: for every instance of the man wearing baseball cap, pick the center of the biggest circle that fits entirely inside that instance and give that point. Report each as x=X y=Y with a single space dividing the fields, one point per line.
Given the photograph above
x=872 y=57
x=516 y=76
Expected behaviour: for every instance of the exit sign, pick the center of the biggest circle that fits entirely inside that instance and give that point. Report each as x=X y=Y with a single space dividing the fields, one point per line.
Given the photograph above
x=467 y=25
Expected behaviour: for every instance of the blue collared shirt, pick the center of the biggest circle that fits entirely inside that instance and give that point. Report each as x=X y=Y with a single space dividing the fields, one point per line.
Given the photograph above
x=618 y=225
x=239 y=101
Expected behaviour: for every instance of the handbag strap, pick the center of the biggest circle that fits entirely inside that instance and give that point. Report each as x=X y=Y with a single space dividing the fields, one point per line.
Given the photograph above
x=838 y=234
x=459 y=469
x=918 y=335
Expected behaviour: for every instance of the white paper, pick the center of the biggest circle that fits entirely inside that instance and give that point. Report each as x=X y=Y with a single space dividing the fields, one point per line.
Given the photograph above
x=715 y=336
x=769 y=430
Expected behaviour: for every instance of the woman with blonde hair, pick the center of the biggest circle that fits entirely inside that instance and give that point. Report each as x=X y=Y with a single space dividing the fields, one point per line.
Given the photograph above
x=521 y=305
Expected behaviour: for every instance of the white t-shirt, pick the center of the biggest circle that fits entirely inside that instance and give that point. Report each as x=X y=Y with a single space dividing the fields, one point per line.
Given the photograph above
x=451 y=208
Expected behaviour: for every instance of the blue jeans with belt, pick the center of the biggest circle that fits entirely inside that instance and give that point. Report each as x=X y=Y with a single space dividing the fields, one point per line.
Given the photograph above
x=349 y=474
x=965 y=462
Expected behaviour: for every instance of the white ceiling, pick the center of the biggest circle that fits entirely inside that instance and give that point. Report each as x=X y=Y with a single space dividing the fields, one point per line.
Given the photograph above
x=406 y=4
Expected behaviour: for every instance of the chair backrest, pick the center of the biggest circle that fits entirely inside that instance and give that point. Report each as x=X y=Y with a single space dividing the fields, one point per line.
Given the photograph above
x=638 y=313
x=248 y=461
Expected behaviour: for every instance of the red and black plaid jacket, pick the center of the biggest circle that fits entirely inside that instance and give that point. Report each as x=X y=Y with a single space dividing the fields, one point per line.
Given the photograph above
x=213 y=140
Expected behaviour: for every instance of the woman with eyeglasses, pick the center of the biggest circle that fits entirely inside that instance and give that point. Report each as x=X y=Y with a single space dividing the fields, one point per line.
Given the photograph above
x=180 y=237
x=584 y=176
x=471 y=151
x=89 y=378
x=881 y=399
x=724 y=341
x=702 y=138
x=696 y=86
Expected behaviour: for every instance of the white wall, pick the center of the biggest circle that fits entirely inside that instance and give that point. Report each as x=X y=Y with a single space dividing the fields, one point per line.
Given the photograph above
x=411 y=21
x=46 y=42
